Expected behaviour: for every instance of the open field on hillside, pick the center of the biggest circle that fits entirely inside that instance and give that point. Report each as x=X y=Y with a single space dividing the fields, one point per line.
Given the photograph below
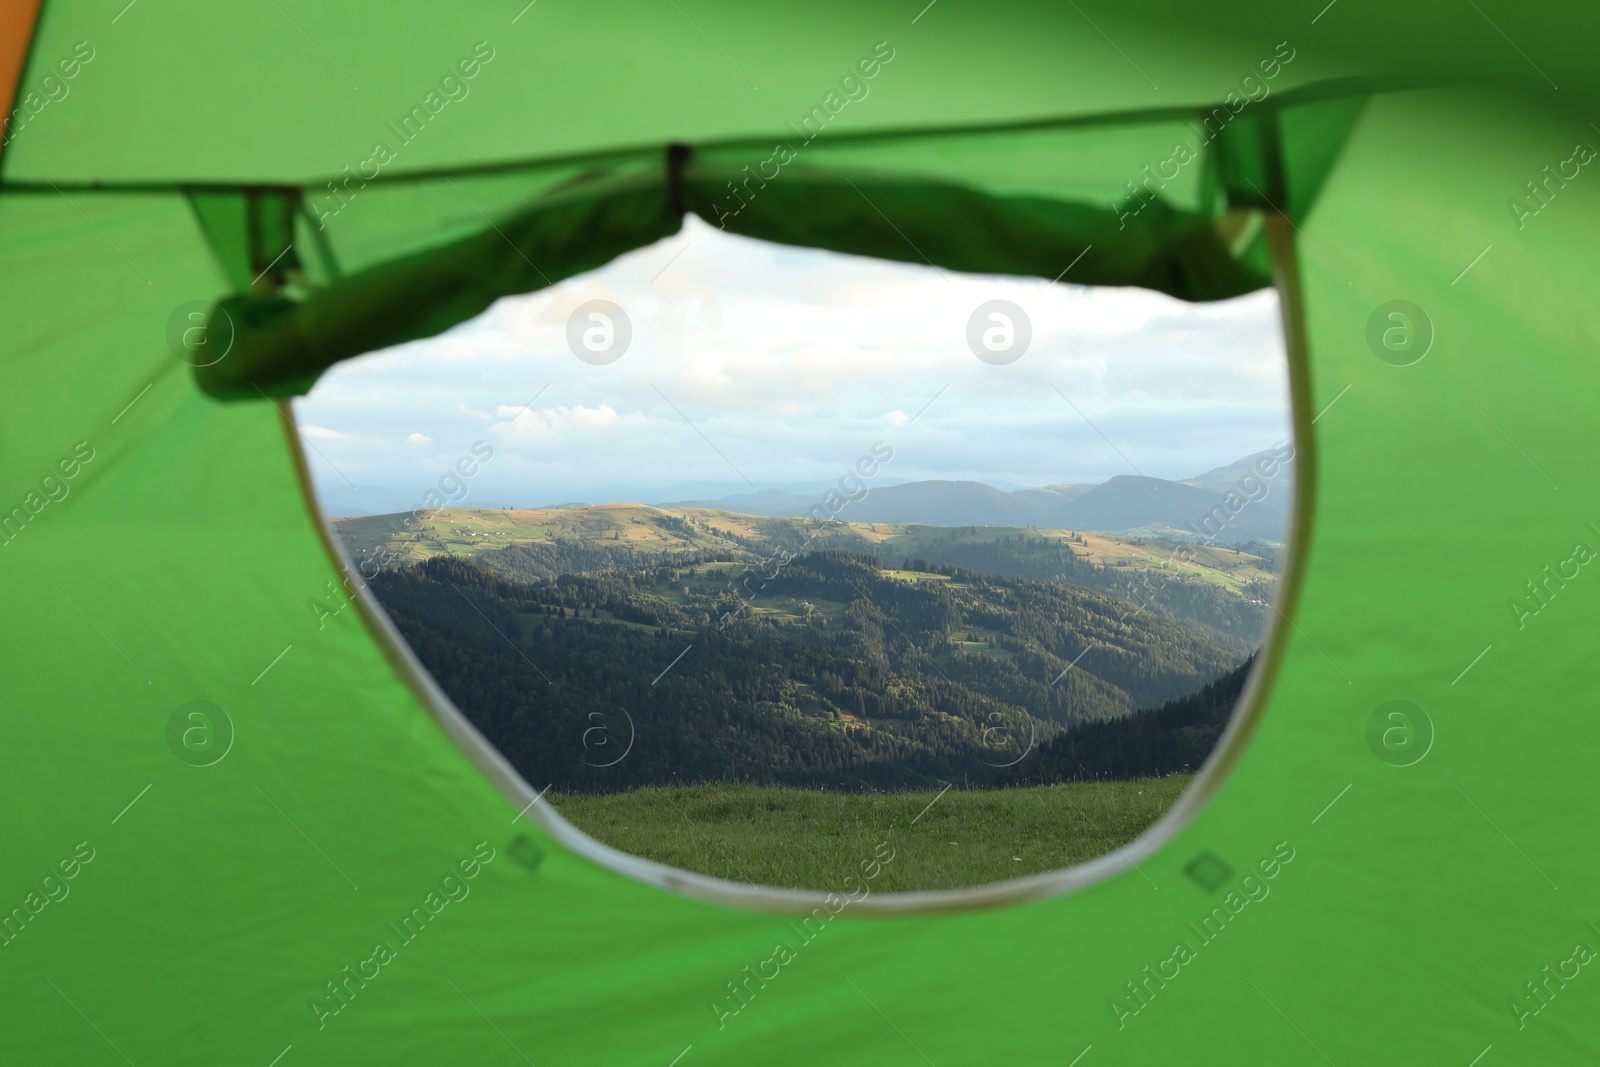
x=808 y=839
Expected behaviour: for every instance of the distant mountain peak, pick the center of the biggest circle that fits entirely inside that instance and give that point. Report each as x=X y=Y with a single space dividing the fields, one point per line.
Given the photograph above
x=1123 y=503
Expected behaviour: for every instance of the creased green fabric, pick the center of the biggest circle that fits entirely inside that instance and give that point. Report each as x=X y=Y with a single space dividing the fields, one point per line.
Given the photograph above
x=1175 y=236
x=281 y=345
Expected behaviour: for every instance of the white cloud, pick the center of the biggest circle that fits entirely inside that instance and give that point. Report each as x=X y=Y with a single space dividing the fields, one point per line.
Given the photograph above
x=322 y=433
x=419 y=439
x=576 y=424
x=787 y=363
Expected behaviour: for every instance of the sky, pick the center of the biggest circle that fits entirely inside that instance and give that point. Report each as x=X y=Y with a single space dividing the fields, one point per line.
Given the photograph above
x=753 y=365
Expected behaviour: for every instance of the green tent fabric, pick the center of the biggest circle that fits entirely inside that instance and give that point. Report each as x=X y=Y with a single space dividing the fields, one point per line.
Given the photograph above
x=1432 y=887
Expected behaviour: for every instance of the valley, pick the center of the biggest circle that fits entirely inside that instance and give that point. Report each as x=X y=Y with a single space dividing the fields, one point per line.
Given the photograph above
x=762 y=676
x=831 y=671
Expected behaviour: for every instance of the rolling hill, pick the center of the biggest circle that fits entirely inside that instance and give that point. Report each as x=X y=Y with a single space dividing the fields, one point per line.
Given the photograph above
x=1125 y=504
x=835 y=671
x=717 y=646
x=1224 y=591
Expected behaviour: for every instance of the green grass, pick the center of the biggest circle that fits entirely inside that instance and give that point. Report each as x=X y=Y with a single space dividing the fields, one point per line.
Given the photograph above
x=808 y=839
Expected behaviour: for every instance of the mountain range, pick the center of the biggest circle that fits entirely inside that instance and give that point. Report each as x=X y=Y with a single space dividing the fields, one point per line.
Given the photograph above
x=1131 y=504
x=1198 y=508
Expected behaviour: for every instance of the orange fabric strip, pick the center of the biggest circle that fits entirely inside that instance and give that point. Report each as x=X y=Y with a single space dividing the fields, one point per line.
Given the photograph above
x=17 y=21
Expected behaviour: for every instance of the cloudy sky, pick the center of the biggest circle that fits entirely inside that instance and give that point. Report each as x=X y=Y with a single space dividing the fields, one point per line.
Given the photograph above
x=761 y=365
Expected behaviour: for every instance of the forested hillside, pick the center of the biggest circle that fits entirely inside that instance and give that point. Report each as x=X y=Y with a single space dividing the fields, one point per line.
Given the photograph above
x=832 y=671
x=1176 y=737
x=1223 y=590
x=1234 y=617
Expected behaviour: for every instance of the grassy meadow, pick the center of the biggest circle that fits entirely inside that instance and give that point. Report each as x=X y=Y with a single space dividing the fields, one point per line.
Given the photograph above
x=809 y=839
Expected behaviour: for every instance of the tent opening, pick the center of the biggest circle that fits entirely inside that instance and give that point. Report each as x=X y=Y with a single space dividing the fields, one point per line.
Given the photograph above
x=762 y=562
